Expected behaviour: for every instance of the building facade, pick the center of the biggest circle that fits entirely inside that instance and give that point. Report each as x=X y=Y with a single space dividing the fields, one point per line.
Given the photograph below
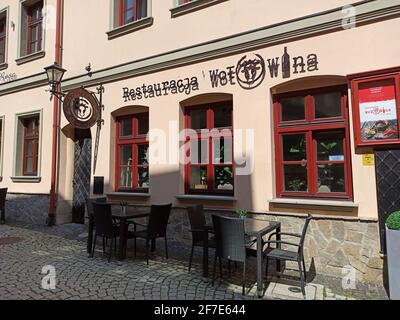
x=276 y=108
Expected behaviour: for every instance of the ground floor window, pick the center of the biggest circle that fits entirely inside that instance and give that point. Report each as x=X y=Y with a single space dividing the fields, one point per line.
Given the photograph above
x=209 y=140
x=132 y=163
x=312 y=144
x=27 y=146
x=1 y=145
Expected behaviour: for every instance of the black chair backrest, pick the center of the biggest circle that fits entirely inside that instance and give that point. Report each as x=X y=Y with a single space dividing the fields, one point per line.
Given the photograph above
x=103 y=219
x=158 y=220
x=230 y=238
x=304 y=232
x=3 y=195
x=197 y=220
x=89 y=203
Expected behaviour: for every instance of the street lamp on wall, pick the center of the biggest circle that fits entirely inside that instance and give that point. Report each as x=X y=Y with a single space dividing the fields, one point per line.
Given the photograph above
x=54 y=76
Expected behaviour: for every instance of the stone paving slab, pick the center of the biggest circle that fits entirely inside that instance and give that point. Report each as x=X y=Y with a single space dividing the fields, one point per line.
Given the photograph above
x=287 y=289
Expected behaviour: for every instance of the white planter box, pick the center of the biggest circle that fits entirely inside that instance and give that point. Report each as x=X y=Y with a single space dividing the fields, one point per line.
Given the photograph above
x=393 y=262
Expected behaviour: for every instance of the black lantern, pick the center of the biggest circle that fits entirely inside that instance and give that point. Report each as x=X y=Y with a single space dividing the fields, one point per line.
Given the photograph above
x=54 y=75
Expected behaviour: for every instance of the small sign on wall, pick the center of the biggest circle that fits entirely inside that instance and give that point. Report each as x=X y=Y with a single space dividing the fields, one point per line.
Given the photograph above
x=376 y=107
x=368 y=159
x=98 y=185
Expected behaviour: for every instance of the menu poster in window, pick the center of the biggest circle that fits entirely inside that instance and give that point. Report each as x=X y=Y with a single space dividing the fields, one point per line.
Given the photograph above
x=378 y=111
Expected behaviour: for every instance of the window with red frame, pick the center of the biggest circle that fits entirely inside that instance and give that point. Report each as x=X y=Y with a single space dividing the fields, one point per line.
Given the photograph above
x=3 y=36
x=31 y=146
x=131 y=10
x=209 y=149
x=312 y=144
x=34 y=25
x=132 y=146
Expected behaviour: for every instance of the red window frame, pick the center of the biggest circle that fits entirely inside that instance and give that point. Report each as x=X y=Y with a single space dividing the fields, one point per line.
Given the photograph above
x=123 y=10
x=212 y=134
x=356 y=80
x=184 y=1
x=33 y=23
x=29 y=137
x=311 y=127
x=135 y=140
x=3 y=38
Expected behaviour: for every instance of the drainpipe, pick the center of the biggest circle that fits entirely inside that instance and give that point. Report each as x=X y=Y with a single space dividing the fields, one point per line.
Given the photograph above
x=51 y=220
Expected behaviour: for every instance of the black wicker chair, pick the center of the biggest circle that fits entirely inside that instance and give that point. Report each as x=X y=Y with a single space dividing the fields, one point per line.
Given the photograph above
x=231 y=243
x=282 y=254
x=3 y=196
x=156 y=227
x=89 y=204
x=105 y=227
x=197 y=221
x=89 y=208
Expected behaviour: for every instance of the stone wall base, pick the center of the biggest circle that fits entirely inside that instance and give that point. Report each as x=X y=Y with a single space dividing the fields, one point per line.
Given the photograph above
x=27 y=208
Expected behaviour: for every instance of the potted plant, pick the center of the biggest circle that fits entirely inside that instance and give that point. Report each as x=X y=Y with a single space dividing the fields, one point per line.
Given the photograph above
x=241 y=213
x=393 y=254
x=224 y=178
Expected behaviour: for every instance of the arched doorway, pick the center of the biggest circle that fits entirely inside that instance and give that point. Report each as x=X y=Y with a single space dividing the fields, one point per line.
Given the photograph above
x=82 y=171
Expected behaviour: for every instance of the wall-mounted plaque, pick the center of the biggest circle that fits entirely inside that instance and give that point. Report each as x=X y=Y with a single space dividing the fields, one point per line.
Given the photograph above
x=98 y=185
x=81 y=108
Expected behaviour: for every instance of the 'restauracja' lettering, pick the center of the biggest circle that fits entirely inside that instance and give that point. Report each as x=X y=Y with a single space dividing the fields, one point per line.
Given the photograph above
x=181 y=86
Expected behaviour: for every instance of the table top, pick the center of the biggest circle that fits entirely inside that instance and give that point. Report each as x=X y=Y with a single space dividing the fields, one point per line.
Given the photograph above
x=254 y=227
x=128 y=213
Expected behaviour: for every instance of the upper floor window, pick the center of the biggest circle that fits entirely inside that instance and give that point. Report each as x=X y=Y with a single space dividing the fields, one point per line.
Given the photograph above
x=312 y=147
x=130 y=10
x=3 y=37
x=32 y=27
x=182 y=7
x=184 y=1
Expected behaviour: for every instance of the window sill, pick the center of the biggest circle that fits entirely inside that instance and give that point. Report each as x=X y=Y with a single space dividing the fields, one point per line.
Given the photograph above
x=345 y=205
x=26 y=179
x=30 y=57
x=3 y=66
x=204 y=197
x=192 y=6
x=128 y=194
x=130 y=27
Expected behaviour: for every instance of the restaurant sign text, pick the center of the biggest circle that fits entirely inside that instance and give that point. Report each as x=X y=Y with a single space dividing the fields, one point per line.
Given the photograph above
x=252 y=69
x=249 y=73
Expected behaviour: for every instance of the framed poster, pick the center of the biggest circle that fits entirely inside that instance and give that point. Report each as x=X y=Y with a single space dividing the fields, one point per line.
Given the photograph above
x=376 y=109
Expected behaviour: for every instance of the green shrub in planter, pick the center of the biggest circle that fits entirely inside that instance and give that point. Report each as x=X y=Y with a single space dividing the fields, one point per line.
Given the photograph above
x=393 y=221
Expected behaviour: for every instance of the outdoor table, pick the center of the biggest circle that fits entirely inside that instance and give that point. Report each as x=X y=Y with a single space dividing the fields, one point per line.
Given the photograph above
x=255 y=229
x=122 y=216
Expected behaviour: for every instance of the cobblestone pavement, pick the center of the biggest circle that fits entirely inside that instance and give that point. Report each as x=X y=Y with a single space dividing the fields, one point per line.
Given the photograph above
x=81 y=277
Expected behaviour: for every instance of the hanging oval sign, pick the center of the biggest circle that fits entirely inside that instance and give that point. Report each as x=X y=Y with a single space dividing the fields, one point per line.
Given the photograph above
x=81 y=108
